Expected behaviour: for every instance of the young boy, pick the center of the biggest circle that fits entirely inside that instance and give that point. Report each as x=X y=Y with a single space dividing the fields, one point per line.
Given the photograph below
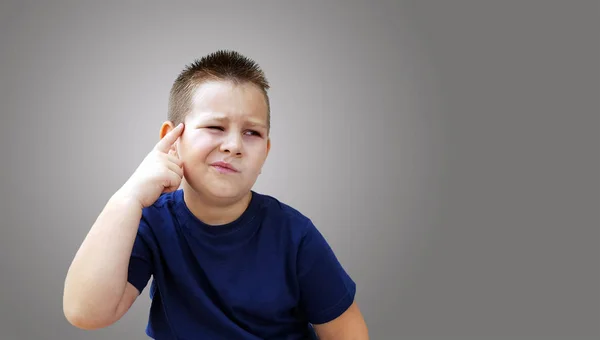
x=226 y=262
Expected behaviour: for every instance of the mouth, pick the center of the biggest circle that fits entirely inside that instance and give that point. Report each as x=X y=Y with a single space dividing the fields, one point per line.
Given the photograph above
x=224 y=167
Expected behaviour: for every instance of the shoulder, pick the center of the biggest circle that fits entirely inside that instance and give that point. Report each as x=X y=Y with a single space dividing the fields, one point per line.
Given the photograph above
x=277 y=208
x=283 y=215
x=287 y=225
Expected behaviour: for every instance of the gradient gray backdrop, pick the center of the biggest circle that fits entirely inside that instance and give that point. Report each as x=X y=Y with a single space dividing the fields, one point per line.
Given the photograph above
x=448 y=150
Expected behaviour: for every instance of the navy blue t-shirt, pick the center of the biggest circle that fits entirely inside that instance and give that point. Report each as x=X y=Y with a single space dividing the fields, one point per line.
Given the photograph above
x=268 y=275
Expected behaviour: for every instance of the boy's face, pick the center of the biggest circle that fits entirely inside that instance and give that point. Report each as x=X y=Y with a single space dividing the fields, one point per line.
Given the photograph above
x=228 y=124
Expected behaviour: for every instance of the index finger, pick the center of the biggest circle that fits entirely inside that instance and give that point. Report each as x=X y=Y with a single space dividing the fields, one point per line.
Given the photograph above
x=167 y=141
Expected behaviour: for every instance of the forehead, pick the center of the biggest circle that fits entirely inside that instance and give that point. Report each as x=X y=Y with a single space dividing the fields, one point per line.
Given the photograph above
x=229 y=101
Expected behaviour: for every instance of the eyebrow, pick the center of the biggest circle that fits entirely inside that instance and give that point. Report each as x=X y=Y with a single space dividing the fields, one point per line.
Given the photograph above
x=249 y=122
x=253 y=123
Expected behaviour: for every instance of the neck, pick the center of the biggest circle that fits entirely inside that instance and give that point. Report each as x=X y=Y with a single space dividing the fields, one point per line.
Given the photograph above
x=213 y=212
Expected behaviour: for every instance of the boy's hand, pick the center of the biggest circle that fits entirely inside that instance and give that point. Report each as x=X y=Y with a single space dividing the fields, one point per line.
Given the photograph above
x=161 y=171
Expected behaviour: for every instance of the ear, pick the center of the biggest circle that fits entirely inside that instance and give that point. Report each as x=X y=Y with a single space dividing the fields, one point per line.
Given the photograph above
x=165 y=128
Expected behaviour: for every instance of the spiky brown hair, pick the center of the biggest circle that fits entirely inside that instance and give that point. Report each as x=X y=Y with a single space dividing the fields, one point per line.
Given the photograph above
x=225 y=65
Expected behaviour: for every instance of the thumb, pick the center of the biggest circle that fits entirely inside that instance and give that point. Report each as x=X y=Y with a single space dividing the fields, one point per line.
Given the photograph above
x=176 y=150
x=174 y=153
x=173 y=150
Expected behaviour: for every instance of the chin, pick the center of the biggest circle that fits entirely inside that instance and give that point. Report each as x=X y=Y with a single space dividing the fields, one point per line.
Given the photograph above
x=218 y=189
x=223 y=192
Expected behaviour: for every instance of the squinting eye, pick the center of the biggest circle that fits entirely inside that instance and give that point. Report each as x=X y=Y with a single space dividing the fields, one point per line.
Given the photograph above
x=254 y=133
x=214 y=127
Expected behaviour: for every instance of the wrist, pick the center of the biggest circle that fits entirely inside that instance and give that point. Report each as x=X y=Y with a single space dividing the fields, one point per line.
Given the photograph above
x=124 y=198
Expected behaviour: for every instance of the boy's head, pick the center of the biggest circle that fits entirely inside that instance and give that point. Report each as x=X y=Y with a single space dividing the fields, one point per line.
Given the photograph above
x=222 y=100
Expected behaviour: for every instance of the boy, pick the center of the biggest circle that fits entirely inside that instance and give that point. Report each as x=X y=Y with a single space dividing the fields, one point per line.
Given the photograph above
x=226 y=261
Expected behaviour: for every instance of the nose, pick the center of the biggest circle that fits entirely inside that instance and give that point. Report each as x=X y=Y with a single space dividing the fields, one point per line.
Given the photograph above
x=232 y=144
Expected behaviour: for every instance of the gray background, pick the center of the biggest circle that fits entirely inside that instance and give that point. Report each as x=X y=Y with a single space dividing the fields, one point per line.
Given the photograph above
x=448 y=150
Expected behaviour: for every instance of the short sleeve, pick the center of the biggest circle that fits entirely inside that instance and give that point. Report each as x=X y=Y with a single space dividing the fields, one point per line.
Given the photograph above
x=326 y=289
x=140 y=262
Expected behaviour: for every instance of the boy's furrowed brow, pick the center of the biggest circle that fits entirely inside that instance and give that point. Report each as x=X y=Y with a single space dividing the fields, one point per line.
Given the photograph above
x=212 y=116
x=208 y=117
x=257 y=124
x=223 y=118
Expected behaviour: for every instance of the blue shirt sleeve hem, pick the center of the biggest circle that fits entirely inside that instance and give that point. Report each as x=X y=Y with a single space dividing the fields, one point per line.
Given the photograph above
x=336 y=310
x=138 y=274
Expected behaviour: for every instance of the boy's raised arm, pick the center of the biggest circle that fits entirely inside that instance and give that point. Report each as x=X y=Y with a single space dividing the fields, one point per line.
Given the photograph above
x=96 y=290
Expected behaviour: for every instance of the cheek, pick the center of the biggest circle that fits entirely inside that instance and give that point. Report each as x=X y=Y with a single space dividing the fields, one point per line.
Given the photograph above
x=257 y=159
x=196 y=147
